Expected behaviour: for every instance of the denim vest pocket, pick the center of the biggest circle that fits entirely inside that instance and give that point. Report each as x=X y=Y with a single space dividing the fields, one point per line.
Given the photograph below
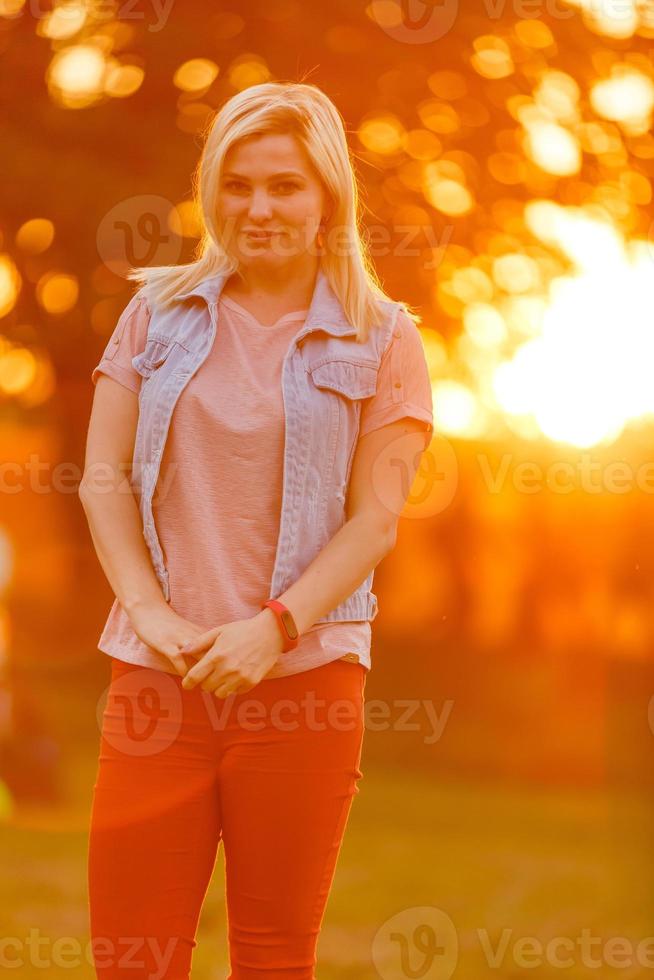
x=155 y=353
x=354 y=379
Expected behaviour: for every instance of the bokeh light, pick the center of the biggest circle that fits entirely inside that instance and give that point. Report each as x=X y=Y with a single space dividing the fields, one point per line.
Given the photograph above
x=196 y=75
x=10 y=284
x=76 y=75
x=57 y=292
x=35 y=236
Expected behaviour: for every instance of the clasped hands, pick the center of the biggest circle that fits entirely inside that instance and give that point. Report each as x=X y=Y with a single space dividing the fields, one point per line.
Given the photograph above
x=234 y=657
x=230 y=659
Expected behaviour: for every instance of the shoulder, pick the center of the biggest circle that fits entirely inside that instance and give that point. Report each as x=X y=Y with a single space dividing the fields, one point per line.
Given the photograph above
x=136 y=309
x=139 y=303
x=132 y=327
x=407 y=325
x=405 y=335
x=126 y=341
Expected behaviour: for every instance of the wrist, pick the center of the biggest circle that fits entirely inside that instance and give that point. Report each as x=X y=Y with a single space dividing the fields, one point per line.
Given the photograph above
x=284 y=623
x=140 y=605
x=269 y=623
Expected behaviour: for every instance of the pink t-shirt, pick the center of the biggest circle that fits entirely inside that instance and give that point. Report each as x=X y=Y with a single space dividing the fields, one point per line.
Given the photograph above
x=218 y=497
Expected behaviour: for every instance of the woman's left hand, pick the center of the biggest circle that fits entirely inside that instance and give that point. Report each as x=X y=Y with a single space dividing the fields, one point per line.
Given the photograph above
x=234 y=657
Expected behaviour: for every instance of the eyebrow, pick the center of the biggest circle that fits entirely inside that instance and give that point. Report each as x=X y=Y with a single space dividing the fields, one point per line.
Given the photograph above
x=283 y=173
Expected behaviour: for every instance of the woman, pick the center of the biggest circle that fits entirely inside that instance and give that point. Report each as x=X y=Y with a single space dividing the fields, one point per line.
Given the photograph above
x=270 y=404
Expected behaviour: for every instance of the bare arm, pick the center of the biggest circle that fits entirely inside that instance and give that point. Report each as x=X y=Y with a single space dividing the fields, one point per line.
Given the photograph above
x=115 y=522
x=375 y=500
x=109 y=503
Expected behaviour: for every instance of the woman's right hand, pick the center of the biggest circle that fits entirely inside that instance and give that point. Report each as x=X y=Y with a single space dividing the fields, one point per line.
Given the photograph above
x=160 y=627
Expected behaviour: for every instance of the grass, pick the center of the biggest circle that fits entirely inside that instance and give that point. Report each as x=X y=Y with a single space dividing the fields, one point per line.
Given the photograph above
x=511 y=861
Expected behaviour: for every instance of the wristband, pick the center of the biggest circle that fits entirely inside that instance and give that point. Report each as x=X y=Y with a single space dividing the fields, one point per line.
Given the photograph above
x=286 y=624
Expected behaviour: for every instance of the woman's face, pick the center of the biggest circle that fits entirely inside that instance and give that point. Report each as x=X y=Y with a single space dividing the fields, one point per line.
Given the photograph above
x=270 y=201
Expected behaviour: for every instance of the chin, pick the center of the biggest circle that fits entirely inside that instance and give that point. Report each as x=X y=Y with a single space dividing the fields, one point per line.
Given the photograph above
x=266 y=261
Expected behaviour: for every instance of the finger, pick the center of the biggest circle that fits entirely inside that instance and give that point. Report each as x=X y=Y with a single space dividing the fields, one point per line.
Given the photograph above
x=198 y=673
x=217 y=679
x=178 y=662
x=242 y=688
x=196 y=645
x=201 y=643
x=225 y=689
x=196 y=650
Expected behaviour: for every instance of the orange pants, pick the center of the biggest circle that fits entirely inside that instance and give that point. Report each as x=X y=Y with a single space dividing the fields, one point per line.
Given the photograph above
x=271 y=772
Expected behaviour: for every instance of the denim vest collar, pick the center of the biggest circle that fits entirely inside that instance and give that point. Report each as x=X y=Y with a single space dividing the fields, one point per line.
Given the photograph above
x=325 y=310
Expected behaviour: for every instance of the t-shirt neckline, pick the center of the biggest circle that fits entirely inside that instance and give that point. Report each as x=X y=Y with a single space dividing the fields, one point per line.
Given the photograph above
x=232 y=304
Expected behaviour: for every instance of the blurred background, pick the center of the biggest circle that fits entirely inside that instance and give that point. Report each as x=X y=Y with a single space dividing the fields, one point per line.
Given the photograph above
x=505 y=154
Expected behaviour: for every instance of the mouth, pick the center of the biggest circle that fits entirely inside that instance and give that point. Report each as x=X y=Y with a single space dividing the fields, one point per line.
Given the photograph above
x=262 y=236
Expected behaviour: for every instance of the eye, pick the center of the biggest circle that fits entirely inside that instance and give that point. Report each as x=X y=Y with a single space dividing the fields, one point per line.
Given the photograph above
x=283 y=187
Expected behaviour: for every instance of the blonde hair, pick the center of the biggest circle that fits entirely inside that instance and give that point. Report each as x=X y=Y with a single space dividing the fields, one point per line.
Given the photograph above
x=304 y=111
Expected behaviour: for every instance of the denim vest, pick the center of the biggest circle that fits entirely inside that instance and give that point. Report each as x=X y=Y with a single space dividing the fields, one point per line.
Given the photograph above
x=325 y=376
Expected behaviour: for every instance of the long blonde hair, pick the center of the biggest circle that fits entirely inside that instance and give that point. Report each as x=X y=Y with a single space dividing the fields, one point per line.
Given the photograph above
x=304 y=111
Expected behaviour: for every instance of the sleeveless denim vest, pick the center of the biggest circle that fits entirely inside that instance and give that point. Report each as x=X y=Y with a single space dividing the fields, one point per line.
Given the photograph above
x=325 y=376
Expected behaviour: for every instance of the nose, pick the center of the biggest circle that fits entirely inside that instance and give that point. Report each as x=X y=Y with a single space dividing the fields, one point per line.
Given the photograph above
x=260 y=207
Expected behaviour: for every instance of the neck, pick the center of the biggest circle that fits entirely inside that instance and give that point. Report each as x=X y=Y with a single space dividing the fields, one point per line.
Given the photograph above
x=294 y=282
